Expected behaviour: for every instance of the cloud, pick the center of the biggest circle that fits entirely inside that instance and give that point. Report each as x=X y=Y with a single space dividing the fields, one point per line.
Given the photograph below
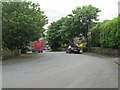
x=55 y=9
x=54 y=14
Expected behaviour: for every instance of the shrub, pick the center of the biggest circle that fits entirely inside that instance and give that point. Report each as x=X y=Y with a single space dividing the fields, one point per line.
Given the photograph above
x=110 y=34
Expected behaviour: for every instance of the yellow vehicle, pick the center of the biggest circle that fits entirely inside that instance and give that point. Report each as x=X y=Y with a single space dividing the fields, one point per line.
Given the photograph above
x=79 y=45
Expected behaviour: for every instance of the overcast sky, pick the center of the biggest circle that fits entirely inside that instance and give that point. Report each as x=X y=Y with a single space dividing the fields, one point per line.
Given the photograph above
x=55 y=9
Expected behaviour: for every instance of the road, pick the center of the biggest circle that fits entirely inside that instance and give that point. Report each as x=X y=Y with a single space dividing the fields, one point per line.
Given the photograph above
x=61 y=70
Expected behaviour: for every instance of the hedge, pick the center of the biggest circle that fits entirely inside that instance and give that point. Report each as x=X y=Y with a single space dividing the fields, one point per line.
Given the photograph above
x=110 y=34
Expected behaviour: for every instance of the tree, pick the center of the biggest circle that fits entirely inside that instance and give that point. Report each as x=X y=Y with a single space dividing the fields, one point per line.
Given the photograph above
x=22 y=22
x=54 y=34
x=86 y=17
x=73 y=25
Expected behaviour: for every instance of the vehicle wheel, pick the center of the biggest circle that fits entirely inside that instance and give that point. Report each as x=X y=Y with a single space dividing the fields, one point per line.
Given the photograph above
x=41 y=51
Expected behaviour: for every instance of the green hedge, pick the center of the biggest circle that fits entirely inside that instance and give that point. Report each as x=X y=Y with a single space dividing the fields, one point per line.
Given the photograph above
x=110 y=34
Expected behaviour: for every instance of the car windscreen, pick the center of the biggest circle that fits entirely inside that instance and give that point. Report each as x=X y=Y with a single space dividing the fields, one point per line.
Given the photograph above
x=74 y=46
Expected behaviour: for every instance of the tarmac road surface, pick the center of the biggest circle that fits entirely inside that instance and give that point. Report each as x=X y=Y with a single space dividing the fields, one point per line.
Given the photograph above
x=61 y=70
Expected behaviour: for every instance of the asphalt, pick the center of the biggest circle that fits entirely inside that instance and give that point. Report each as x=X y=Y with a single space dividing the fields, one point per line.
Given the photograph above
x=60 y=70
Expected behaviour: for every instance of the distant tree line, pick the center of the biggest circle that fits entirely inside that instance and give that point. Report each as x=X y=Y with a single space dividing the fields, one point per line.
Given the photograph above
x=21 y=22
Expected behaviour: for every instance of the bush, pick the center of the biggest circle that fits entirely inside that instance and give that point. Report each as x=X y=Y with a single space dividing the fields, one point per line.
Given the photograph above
x=110 y=34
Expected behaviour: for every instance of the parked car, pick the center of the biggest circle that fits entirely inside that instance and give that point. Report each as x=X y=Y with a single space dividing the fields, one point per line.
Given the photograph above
x=74 y=49
x=47 y=48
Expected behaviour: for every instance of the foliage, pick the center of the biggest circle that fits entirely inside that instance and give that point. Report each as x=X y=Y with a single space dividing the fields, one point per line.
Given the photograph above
x=95 y=35
x=85 y=18
x=22 y=22
x=73 y=25
x=54 y=34
x=110 y=34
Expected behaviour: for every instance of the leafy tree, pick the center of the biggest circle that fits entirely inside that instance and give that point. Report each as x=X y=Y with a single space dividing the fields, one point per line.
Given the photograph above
x=54 y=34
x=73 y=25
x=61 y=32
x=22 y=22
x=85 y=18
x=67 y=29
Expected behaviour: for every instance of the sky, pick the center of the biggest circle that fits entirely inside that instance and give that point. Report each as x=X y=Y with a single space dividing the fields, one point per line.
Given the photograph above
x=55 y=9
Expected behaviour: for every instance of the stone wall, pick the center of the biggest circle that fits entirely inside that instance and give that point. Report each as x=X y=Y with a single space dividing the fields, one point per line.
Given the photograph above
x=105 y=51
x=59 y=49
x=6 y=54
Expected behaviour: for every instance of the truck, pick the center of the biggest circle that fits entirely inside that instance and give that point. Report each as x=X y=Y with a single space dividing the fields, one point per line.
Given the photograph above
x=38 y=46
